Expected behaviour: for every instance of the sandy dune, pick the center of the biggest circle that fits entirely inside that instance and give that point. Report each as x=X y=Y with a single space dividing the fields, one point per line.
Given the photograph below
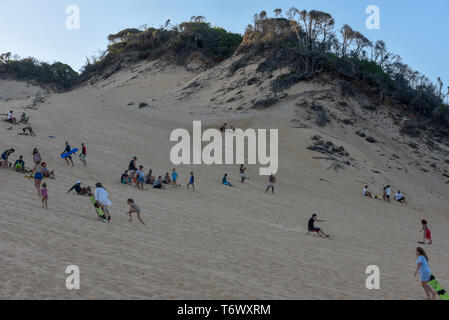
x=216 y=243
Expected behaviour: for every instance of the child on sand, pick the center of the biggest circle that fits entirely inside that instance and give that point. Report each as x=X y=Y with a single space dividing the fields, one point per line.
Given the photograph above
x=30 y=130
x=312 y=228
x=44 y=194
x=242 y=173
x=191 y=181
x=174 y=178
x=399 y=197
x=271 y=183
x=366 y=193
x=36 y=156
x=134 y=208
x=125 y=178
x=140 y=178
x=422 y=265
x=5 y=156
x=225 y=181
x=48 y=173
x=19 y=165
x=158 y=183
x=427 y=235
x=83 y=154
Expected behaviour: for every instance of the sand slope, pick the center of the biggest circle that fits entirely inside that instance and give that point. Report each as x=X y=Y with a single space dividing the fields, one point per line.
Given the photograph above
x=216 y=243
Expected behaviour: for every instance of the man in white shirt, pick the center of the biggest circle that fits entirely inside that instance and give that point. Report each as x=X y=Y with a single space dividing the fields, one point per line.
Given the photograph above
x=11 y=117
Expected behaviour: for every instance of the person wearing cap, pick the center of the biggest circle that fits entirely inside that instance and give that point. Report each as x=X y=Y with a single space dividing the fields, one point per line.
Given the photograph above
x=82 y=191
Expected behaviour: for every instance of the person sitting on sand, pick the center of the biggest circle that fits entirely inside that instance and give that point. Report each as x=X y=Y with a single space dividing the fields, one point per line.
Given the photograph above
x=125 y=178
x=11 y=118
x=225 y=181
x=399 y=197
x=101 y=198
x=140 y=178
x=271 y=183
x=134 y=208
x=242 y=173
x=149 y=179
x=426 y=231
x=167 y=179
x=366 y=193
x=158 y=183
x=81 y=191
x=48 y=173
x=5 y=156
x=422 y=266
x=174 y=178
x=24 y=118
x=19 y=165
x=30 y=131
x=312 y=228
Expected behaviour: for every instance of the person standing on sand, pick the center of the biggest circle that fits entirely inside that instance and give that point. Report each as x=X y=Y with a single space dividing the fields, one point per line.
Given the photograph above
x=69 y=157
x=422 y=265
x=312 y=228
x=44 y=193
x=83 y=154
x=36 y=156
x=140 y=178
x=134 y=208
x=174 y=178
x=101 y=197
x=191 y=182
x=271 y=183
x=132 y=168
x=5 y=156
x=38 y=173
x=242 y=173
x=427 y=235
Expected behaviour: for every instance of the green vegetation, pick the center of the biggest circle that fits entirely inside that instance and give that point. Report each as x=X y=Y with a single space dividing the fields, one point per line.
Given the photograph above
x=57 y=75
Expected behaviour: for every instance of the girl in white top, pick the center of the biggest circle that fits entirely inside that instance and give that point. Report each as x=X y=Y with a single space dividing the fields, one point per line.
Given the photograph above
x=101 y=196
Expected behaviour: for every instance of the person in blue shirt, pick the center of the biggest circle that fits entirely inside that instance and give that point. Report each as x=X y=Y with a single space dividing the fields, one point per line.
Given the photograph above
x=174 y=179
x=225 y=181
x=422 y=265
x=191 y=182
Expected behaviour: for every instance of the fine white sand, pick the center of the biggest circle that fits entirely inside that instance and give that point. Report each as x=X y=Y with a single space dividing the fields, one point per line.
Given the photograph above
x=218 y=242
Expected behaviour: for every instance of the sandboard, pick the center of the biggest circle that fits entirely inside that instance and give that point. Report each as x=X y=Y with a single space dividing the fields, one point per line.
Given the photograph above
x=66 y=154
x=438 y=288
x=99 y=211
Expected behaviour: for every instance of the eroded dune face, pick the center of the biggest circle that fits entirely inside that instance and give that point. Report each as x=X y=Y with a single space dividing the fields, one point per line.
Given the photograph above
x=218 y=242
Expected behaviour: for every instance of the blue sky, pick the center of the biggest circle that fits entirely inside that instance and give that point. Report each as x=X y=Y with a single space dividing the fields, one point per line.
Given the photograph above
x=416 y=30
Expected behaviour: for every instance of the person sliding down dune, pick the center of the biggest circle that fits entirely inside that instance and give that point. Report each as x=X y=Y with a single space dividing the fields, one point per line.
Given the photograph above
x=312 y=228
x=82 y=191
x=225 y=181
x=101 y=198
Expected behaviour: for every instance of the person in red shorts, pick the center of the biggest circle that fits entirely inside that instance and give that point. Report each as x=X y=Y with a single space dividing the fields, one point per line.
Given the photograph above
x=427 y=235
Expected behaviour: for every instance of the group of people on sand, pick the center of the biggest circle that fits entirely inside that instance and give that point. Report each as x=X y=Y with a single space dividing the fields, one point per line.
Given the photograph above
x=399 y=196
x=135 y=174
x=67 y=154
x=24 y=119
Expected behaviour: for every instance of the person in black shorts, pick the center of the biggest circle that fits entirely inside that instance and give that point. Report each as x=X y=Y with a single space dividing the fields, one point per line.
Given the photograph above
x=68 y=149
x=132 y=168
x=312 y=228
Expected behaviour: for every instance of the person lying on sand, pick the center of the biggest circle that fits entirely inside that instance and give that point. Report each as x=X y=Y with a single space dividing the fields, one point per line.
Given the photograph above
x=48 y=173
x=5 y=156
x=225 y=181
x=134 y=208
x=19 y=165
x=399 y=197
x=366 y=193
x=426 y=233
x=312 y=228
x=81 y=191
x=30 y=131
x=271 y=183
